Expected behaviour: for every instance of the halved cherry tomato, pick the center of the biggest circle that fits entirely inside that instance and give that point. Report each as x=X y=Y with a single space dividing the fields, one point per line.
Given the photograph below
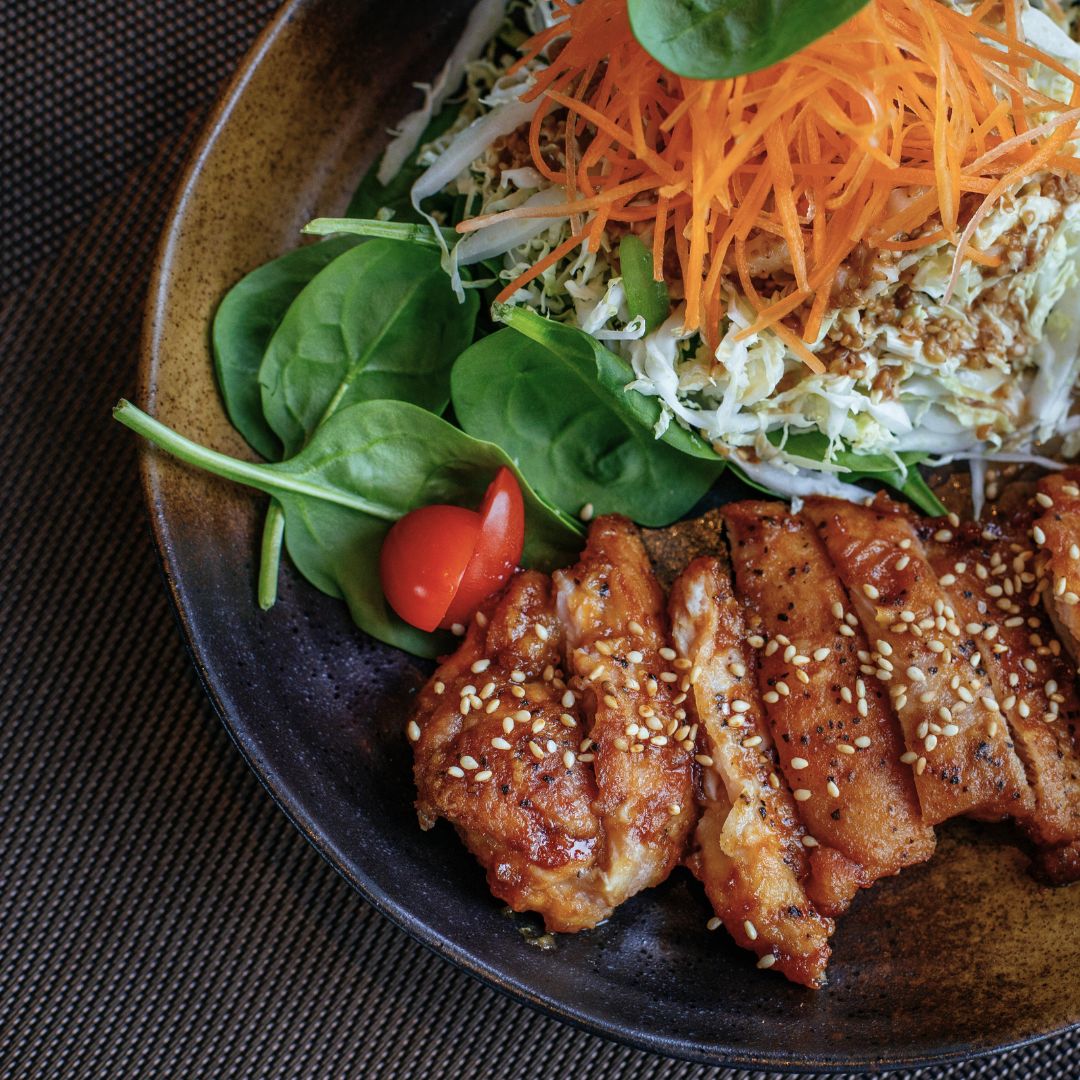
x=439 y=563
x=498 y=551
x=423 y=559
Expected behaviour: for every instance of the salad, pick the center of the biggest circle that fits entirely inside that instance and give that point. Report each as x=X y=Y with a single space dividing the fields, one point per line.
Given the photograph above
x=625 y=245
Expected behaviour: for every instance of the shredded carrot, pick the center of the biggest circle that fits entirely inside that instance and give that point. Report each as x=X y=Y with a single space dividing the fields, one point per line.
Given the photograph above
x=901 y=129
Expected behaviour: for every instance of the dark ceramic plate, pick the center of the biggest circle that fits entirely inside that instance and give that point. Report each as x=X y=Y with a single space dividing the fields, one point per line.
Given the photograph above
x=962 y=956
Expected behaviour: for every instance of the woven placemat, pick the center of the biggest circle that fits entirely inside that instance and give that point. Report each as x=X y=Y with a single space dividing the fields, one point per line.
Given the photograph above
x=158 y=916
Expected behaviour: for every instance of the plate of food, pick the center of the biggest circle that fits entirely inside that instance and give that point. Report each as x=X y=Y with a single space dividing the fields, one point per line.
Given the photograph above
x=619 y=500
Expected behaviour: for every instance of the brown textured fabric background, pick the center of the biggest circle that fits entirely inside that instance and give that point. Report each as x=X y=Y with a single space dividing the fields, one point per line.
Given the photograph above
x=158 y=916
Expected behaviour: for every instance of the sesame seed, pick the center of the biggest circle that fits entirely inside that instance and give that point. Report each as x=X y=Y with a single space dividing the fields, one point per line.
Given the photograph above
x=542 y=632
x=635 y=628
x=704 y=760
x=883 y=647
x=740 y=706
x=568 y=759
x=832 y=789
x=536 y=750
x=480 y=666
x=771 y=647
x=946 y=580
x=1044 y=500
x=801 y=794
x=457 y=630
x=508 y=724
x=1071 y=598
x=751 y=930
x=1024 y=709
x=500 y=743
x=782 y=688
x=611 y=701
x=930 y=742
x=481 y=620
x=837 y=609
x=755 y=641
x=965 y=694
x=846 y=630
x=1038 y=535
x=455 y=772
x=439 y=686
x=517 y=676
x=713 y=924
x=915 y=674
x=909 y=757
x=752 y=741
x=668 y=676
x=809 y=841
x=799 y=763
x=920 y=766
x=523 y=716
x=569 y=700
x=492 y=706
x=943 y=536
x=789 y=654
x=766 y=961
x=862 y=708
x=950 y=730
x=482 y=775
x=635 y=656
x=1070 y=489
x=900 y=701
x=537 y=725
x=902 y=562
x=862 y=742
x=871 y=592
x=668 y=654
x=586 y=512
x=770 y=697
x=517 y=691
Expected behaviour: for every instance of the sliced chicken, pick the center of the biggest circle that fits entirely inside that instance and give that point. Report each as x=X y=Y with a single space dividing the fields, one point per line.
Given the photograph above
x=496 y=754
x=1058 y=536
x=622 y=673
x=839 y=741
x=748 y=848
x=989 y=576
x=928 y=661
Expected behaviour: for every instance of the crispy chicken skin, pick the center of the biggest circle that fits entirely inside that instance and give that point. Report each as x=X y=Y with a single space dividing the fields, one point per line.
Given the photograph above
x=838 y=738
x=747 y=849
x=619 y=666
x=989 y=573
x=924 y=655
x=498 y=773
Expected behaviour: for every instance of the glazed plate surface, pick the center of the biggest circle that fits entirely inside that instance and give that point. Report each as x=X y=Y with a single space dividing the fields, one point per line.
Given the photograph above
x=961 y=956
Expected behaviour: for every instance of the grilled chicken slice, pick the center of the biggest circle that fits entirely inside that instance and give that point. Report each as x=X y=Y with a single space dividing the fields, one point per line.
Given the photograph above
x=747 y=849
x=620 y=664
x=989 y=576
x=928 y=661
x=1058 y=500
x=839 y=741
x=495 y=749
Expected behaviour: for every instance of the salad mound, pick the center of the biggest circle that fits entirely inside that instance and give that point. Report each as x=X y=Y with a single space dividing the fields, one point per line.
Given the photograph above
x=869 y=249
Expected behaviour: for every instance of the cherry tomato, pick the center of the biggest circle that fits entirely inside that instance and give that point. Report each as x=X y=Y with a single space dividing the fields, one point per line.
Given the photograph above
x=498 y=551
x=439 y=563
x=423 y=559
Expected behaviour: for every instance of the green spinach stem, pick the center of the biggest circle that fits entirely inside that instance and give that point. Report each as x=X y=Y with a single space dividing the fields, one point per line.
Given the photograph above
x=269 y=478
x=270 y=555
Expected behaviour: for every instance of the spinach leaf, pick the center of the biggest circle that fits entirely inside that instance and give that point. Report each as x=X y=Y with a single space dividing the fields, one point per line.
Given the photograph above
x=244 y=323
x=541 y=400
x=644 y=296
x=371 y=197
x=613 y=374
x=718 y=39
x=876 y=468
x=379 y=322
x=364 y=468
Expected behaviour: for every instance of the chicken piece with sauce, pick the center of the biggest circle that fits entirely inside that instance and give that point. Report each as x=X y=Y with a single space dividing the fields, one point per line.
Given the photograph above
x=748 y=849
x=631 y=689
x=573 y=793
x=839 y=741
x=958 y=746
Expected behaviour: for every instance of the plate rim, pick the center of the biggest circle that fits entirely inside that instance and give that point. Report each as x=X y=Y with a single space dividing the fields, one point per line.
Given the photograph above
x=153 y=327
